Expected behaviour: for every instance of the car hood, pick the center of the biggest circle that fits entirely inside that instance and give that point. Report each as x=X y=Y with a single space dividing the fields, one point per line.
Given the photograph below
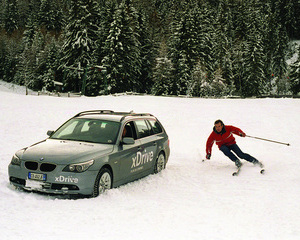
x=65 y=152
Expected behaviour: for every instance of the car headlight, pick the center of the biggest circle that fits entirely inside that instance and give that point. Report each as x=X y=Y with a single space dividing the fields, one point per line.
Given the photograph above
x=16 y=160
x=78 y=167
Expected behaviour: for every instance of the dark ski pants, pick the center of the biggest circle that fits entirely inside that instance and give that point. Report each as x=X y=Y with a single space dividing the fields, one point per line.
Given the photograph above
x=227 y=150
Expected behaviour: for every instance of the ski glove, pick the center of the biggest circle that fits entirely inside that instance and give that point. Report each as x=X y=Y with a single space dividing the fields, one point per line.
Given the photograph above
x=242 y=134
x=208 y=156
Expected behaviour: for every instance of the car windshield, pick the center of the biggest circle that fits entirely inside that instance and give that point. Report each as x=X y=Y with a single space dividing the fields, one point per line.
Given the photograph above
x=88 y=130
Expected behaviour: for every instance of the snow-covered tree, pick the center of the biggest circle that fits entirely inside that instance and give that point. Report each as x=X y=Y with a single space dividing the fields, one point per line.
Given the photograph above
x=199 y=84
x=106 y=13
x=48 y=67
x=10 y=16
x=147 y=53
x=122 y=50
x=50 y=15
x=9 y=49
x=162 y=75
x=295 y=75
x=183 y=49
x=28 y=62
x=223 y=42
x=254 y=74
x=275 y=39
x=219 y=86
x=80 y=41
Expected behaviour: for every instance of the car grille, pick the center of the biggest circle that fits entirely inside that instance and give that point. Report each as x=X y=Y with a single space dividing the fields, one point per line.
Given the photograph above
x=47 y=167
x=31 y=165
x=44 y=167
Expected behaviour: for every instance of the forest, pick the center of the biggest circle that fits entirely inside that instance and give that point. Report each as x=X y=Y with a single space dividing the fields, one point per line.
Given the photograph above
x=203 y=48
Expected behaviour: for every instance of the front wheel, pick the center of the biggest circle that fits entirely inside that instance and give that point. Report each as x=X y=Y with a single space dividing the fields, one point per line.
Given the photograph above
x=160 y=163
x=103 y=182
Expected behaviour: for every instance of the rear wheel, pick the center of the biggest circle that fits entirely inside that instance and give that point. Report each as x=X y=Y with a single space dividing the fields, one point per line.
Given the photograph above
x=160 y=163
x=103 y=182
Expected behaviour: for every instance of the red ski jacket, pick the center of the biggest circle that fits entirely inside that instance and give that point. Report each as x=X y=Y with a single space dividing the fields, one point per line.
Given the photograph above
x=223 y=138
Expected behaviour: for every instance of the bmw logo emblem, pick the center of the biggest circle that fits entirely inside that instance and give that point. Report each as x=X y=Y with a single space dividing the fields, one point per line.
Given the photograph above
x=42 y=159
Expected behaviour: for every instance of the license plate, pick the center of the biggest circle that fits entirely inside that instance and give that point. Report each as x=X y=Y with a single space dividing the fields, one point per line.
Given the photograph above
x=37 y=176
x=33 y=184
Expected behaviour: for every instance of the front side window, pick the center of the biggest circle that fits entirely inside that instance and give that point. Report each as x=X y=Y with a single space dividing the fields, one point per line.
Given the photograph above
x=88 y=130
x=129 y=131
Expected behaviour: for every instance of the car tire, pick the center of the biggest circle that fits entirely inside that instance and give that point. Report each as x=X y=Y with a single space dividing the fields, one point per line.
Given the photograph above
x=160 y=163
x=103 y=182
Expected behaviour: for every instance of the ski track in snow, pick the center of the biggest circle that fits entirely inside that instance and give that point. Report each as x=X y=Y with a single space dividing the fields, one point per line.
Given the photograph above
x=190 y=199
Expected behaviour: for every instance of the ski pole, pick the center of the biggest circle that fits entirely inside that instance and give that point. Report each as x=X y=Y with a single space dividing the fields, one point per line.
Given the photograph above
x=268 y=140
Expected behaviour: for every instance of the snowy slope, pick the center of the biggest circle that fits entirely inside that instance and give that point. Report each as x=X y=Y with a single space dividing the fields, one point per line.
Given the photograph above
x=190 y=199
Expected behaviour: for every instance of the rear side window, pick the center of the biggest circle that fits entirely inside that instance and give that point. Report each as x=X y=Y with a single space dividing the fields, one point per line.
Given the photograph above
x=156 y=127
x=142 y=128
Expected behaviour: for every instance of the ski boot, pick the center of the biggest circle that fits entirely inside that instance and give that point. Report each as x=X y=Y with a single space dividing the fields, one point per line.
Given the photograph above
x=256 y=162
x=238 y=163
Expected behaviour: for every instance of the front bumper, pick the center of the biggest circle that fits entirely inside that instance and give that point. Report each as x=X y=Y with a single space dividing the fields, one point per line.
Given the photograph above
x=56 y=182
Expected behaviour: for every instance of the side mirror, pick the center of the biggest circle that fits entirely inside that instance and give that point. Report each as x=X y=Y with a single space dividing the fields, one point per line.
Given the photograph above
x=128 y=140
x=50 y=132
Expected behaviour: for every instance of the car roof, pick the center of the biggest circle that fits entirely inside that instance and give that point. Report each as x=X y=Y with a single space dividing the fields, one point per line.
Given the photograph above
x=111 y=115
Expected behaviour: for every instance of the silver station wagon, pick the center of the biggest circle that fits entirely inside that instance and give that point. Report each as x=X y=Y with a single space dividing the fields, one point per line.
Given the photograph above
x=93 y=151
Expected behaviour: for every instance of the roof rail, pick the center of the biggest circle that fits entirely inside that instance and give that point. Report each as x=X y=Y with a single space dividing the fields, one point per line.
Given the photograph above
x=125 y=114
x=136 y=115
x=94 y=112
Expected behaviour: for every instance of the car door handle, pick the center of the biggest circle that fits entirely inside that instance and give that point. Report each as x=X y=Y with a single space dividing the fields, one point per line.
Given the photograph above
x=155 y=144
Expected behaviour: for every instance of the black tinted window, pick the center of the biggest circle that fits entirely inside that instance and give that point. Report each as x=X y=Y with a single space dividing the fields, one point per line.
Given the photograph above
x=155 y=126
x=129 y=130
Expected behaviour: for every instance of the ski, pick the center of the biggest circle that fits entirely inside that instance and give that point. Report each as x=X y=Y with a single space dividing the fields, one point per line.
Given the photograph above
x=237 y=171
x=262 y=170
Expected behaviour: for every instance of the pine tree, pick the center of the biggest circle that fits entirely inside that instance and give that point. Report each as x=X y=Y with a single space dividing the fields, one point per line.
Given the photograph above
x=276 y=41
x=253 y=57
x=218 y=85
x=50 y=15
x=48 y=67
x=106 y=13
x=9 y=49
x=203 y=69
x=224 y=40
x=28 y=66
x=80 y=42
x=183 y=50
x=147 y=53
x=199 y=85
x=11 y=16
x=26 y=59
x=295 y=75
x=162 y=74
x=122 y=50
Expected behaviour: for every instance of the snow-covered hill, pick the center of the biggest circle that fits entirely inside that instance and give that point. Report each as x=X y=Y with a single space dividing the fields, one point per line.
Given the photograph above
x=190 y=199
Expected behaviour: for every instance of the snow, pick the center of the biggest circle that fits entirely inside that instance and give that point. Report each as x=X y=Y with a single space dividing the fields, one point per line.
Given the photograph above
x=190 y=199
x=294 y=58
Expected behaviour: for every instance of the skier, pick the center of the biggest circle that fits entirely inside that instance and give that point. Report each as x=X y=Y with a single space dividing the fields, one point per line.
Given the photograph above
x=223 y=135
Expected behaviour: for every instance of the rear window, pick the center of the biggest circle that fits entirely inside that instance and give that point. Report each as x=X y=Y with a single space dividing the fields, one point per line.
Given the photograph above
x=156 y=127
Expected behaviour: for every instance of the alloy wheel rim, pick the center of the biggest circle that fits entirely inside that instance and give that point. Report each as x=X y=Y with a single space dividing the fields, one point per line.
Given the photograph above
x=105 y=182
x=160 y=163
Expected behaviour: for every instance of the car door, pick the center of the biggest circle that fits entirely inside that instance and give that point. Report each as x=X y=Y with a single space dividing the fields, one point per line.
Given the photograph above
x=148 y=151
x=127 y=154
